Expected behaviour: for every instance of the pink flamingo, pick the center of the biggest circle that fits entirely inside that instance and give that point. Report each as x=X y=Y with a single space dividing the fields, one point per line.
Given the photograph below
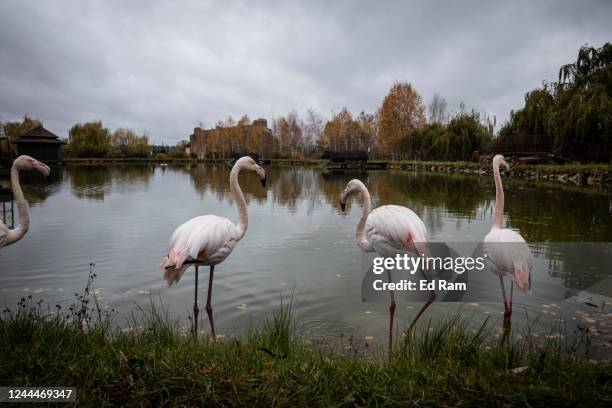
x=208 y=240
x=10 y=236
x=388 y=230
x=506 y=250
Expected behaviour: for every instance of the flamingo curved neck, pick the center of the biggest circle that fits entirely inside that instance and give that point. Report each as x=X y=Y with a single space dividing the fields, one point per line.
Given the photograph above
x=362 y=241
x=24 y=215
x=498 y=214
x=238 y=197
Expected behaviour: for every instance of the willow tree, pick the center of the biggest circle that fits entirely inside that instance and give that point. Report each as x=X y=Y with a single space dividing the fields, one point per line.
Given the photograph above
x=583 y=104
x=401 y=112
x=89 y=139
x=572 y=117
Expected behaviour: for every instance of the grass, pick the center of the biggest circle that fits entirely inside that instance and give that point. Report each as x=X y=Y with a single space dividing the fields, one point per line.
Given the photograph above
x=155 y=364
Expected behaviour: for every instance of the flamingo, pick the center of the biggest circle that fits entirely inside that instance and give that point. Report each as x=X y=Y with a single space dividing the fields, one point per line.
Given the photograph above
x=10 y=236
x=387 y=230
x=208 y=240
x=506 y=250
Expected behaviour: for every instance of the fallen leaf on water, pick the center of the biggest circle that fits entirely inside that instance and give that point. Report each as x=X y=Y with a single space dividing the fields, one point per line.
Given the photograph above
x=243 y=306
x=519 y=370
x=369 y=338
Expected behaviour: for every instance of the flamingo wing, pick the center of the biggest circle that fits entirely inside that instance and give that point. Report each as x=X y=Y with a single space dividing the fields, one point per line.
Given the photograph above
x=208 y=239
x=509 y=253
x=392 y=227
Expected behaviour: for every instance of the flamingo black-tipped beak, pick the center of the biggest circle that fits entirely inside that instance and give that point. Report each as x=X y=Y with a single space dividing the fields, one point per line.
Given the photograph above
x=263 y=182
x=342 y=206
x=48 y=179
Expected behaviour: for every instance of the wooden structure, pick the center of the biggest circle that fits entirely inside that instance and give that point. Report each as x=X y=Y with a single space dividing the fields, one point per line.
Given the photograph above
x=5 y=149
x=350 y=160
x=40 y=144
x=534 y=149
x=5 y=163
x=8 y=209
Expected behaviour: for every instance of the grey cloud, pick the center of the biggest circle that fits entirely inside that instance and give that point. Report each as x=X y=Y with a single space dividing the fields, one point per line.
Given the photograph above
x=161 y=67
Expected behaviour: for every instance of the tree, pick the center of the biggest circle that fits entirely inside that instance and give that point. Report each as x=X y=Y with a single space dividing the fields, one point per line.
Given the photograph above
x=582 y=115
x=288 y=133
x=294 y=133
x=313 y=130
x=437 y=109
x=340 y=132
x=89 y=140
x=402 y=112
x=126 y=143
x=465 y=133
x=14 y=130
x=367 y=128
x=573 y=117
x=242 y=135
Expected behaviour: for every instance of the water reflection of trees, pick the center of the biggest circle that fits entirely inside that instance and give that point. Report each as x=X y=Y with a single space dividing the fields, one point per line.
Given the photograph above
x=215 y=179
x=95 y=182
x=558 y=215
x=429 y=195
x=36 y=188
x=580 y=265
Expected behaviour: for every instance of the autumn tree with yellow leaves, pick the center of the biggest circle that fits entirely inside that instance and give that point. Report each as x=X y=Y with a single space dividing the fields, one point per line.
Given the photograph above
x=401 y=113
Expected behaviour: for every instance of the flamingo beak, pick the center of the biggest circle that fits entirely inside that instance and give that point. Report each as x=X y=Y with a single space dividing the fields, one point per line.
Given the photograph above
x=263 y=182
x=43 y=169
x=342 y=206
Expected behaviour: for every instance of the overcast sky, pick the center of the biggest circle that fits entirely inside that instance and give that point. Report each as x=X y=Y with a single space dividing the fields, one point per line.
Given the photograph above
x=161 y=68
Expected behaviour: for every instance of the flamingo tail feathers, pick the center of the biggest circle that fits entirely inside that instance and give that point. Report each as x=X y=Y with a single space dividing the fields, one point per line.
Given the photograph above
x=174 y=267
x=172 y=275
x=522 y=276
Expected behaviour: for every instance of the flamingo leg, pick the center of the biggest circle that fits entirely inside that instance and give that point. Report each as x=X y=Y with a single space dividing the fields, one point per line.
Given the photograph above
x=209 y=309
x=430 y=300
x=391 y=315
x=507 y=310
x=196 y=309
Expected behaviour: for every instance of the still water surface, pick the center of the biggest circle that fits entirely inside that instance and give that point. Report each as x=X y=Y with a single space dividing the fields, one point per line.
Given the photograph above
x=298 y=243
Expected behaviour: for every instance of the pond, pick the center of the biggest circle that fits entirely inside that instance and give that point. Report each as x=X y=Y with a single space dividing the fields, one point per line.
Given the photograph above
x=298 y=244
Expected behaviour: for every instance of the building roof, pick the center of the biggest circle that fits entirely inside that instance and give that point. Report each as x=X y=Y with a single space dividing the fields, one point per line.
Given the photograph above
x=38 y=135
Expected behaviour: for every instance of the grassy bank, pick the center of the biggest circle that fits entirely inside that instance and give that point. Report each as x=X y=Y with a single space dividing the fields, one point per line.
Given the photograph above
x=455 y=166
x=544 y=168
x=448 y=365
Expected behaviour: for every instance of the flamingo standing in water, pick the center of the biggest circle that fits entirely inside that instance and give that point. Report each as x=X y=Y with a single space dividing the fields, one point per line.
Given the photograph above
x=388 y=230
x=506 y=250
x=208 y=239
x=10 y=236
